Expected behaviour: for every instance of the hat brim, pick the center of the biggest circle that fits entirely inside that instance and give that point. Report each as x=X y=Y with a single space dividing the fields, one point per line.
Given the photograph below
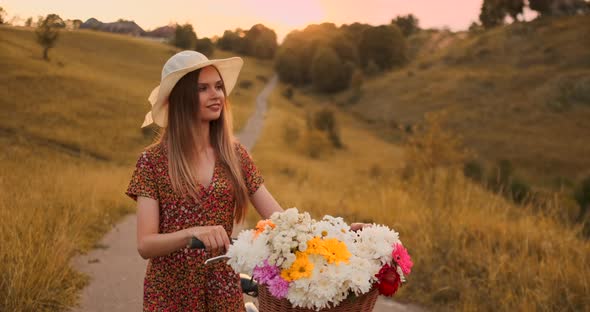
x=228 y=68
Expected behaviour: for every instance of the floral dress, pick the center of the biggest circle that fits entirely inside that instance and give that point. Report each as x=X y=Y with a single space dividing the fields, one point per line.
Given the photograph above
x=181 y=281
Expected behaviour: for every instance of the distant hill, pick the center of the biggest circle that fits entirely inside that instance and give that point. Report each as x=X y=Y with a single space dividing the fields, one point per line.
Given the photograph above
x=120 y=27
x=162 y=32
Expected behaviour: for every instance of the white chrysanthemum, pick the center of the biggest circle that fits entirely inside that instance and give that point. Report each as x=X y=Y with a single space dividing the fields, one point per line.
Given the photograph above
x=247 y=251
x=362 y=276
x=292 y=229
x=376 y=242
x=324 y=288
x=333 y=228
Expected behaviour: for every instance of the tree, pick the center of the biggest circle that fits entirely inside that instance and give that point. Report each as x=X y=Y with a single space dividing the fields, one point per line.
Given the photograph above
x=558 y=7
x=291 y=61
x=29 y=22
x=354 y=31
x=184 y=37
x=47 y=32
x=260 y=42
x=492 y=13
x=231 y=40
x=2 y=16
x=76 y=24
x=384 y=45
x=344 y=47
x=408 y=24
x=514 y=8
x=205 y=46
x=541 y=6
x=328 y=72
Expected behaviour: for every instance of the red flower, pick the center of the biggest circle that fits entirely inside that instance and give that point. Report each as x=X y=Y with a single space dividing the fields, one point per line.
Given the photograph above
x=389 y=280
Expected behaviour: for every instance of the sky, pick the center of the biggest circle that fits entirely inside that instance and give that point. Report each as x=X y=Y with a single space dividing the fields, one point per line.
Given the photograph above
x=213 y=17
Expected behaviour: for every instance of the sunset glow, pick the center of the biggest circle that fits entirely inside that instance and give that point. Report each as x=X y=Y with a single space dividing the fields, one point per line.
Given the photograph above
x=211 y=18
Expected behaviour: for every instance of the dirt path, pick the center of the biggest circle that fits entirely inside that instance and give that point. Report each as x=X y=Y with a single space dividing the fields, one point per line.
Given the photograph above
x=117 y=270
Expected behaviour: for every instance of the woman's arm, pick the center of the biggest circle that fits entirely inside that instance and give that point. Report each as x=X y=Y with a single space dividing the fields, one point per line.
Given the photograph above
x=150 y=243
x=264 y=203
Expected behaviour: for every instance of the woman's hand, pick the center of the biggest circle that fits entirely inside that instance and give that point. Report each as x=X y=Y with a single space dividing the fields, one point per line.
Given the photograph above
x=214 y=237
x=359 y=226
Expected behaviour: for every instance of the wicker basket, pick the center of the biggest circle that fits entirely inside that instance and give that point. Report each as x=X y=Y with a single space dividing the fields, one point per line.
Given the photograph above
x=269 y=303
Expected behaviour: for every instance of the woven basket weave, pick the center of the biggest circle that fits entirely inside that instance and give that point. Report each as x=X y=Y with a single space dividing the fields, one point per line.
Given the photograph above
x=269 y=303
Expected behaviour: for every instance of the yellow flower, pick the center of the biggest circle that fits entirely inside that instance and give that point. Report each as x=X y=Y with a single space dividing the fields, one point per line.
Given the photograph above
x=302 y=267
x=316 y=246
x=333 y=250
x=336 y=251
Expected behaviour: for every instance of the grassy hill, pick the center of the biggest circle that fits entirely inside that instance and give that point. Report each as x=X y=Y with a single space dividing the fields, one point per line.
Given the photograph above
x=519 y=92
x=70 y=138
x=473 y=250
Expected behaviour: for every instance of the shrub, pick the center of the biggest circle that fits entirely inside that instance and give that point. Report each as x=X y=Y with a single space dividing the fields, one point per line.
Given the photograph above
x=432 y=146
x=582 y=196
x=519 y=191
x=205 y=46
x=325 y=120
x=245 y=84
x=314 y=143
x=474 y=170
x=291 y=134
x=500 y=175
x=288 y=93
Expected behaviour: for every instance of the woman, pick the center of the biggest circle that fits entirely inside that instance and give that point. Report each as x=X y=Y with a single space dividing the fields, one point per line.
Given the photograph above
x=194 y=182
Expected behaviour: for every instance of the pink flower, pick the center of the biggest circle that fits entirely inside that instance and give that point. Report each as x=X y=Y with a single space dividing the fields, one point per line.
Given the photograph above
x=402 y=258
x=278 y=287
x=264 y=274
x=389 y=280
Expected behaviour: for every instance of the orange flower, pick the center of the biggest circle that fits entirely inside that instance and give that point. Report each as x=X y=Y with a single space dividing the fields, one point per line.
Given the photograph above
x=261 y=226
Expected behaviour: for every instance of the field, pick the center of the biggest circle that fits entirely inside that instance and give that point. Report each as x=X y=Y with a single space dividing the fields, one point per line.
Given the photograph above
x=70 y=139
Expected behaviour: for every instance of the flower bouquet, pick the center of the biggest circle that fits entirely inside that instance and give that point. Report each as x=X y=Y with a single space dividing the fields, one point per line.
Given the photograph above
x=320 y=264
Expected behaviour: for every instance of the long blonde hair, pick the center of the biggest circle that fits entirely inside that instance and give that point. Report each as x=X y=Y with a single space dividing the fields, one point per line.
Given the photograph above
x=181 y=134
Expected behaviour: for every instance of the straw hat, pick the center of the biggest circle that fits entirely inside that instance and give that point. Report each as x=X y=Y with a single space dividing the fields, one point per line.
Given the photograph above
x=175 y=68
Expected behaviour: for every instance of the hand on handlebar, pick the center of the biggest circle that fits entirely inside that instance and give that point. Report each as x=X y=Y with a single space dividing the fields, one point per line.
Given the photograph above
x=214 y=237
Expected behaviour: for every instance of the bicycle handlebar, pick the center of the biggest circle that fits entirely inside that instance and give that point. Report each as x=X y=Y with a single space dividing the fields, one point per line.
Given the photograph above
x=195 y=243
x=248 y=285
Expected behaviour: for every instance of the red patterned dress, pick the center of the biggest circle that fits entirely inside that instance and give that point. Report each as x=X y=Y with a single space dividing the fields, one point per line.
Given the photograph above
x=180 y=281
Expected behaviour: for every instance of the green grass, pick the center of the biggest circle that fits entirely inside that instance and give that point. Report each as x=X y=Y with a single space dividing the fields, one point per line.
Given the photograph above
x=70 y=138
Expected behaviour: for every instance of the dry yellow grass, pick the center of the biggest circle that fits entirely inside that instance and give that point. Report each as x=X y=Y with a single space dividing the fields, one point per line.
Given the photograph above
x=70 y=139
x=518 y=92
x=53 y=206
x=473 y=251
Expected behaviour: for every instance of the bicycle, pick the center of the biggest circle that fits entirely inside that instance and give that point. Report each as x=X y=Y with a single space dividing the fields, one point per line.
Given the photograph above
x=247 y=283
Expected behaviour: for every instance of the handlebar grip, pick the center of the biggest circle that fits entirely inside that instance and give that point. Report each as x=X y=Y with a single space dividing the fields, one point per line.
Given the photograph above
x=195 y=243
